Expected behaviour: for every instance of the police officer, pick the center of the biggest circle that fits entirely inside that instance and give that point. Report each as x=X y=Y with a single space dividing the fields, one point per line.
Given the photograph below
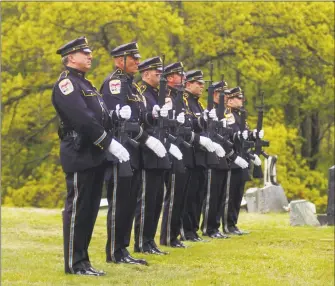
x=176 y=177
x=216 y=180
x=118 y=91
x=149 y=203
x=197 y=175
x=235 y=178
x=84 y=142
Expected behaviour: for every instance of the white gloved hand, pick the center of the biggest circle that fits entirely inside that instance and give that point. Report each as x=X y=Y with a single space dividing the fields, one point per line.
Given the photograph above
x=165 y=110
x=118 y=151
x=155 y=111
x=244 y=134
x=205 y=114
x=224 y=122
x=175 y=152
x=241 y=162
x=257 y=161
x=207 y=143
x=125 y=112
x=156 y=146
x=212 y=114
x=260 y=133
x=181 y=118
x=219 y=150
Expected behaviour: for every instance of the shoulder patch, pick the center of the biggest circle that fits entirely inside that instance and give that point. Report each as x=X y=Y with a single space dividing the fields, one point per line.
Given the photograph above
x=66 y=86
x=115 y=86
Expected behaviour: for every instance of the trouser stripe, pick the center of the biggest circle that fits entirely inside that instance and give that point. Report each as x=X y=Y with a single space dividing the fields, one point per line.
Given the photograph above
x=113 y=212
x=171 y=209
x=73 y=220
x=208 y=197
x=227 y=202
x=142 y=210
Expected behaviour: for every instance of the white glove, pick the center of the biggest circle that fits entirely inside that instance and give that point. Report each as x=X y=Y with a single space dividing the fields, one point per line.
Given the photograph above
x=156 y=146
x=224 y=122
x=244 y=134
x=257 y=161
x=219 y=150
x=241 y=162
x=204 y=114
x=124 y=112
x=118 y=151
x=207 y=143
x=181 y=118
x=260 y=133
x=175 y=152
x=165 y=110
x=212 y=115
x=155 y=111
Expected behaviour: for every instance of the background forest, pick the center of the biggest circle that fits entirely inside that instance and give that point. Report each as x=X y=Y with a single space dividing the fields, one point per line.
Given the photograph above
x=284 y=49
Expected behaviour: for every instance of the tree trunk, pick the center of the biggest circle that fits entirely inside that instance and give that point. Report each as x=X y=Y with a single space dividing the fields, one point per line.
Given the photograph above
x=315 y=140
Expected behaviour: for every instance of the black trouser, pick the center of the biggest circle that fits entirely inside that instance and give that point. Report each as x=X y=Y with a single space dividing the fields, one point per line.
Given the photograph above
x=193 y=203
x=148 y=208
x=82 y=203
x=174 y=202
x=232 y=198
x=121 y=196
x=213 y=200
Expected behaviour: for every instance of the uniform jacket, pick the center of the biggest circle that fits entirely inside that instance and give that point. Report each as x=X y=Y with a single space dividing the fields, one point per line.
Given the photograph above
x=119 y=89
x=84 y=121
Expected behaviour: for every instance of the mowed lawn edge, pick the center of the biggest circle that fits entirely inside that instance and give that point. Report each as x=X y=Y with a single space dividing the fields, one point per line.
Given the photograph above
x=274 y=253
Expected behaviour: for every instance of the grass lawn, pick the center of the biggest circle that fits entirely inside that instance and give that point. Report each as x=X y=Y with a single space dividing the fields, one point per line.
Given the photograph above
x=273 y=254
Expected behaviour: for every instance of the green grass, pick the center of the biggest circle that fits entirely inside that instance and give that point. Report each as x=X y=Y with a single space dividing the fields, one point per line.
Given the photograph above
x=273 y=254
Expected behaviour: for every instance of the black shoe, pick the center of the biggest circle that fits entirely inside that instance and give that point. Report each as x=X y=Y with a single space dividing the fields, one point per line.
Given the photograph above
x=216 y=235
x=233 y=231
x=89 y=272
x=223 y=235
x=178 y=245
x=156 y=250
x=241 y=231
x=131 y=260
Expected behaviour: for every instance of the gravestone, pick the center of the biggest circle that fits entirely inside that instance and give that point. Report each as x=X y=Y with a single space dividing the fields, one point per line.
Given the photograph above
x=270 y=198
x=303 y=212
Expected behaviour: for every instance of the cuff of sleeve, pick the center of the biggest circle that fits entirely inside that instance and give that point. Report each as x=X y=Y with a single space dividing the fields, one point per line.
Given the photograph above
x=103 y=141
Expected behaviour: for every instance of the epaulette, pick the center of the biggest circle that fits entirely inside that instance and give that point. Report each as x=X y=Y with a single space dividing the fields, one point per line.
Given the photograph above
x=63 y=74
x=117 y=73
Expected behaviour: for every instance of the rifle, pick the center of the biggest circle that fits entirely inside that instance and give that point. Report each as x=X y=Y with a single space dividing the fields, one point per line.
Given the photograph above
x=161 y=102
x=212 y=159
x=245 y=145
x=124 y=167
x=259 y=143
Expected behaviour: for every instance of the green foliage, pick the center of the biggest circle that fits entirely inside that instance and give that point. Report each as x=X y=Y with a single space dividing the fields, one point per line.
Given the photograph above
x=285 y=49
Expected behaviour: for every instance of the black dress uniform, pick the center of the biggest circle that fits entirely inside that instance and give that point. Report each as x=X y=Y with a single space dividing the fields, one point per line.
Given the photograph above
x=216 y=183
x=84 y=139
x=235 y=182
x=197 y=174
x=118 y=89
x=176 y=177
x=150 y=198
